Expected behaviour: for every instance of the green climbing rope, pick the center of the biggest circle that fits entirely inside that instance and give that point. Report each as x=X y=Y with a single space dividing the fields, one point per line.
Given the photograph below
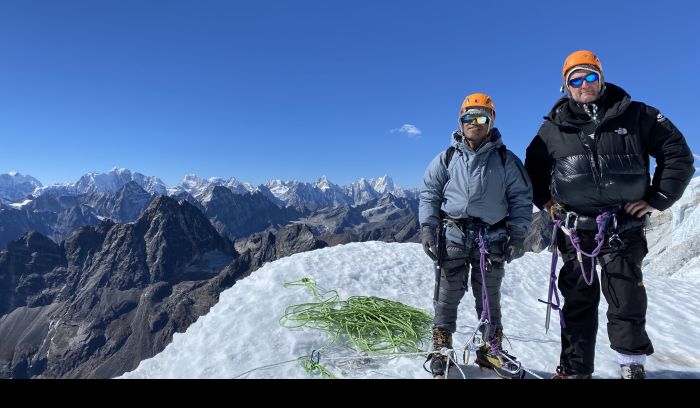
x=372 y=324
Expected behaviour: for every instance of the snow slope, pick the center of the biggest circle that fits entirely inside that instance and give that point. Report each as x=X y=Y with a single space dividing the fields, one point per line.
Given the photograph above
x=241 y=338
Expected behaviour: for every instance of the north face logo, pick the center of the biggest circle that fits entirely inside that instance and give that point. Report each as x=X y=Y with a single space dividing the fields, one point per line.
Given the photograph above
x=621 y=131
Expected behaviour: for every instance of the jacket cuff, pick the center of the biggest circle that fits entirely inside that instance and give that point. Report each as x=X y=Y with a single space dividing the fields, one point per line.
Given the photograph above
x=659 y=200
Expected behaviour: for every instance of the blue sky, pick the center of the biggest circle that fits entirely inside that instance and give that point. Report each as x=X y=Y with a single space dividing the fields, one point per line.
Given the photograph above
x=298 y=89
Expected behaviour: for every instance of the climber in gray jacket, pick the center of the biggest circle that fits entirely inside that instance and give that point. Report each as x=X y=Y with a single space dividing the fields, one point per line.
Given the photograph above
x=476 y=185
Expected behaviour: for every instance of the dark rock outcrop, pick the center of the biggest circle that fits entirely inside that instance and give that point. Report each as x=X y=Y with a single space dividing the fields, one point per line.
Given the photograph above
x=387 y=218
x=273 y=244
x=239 y=215
x=26 y=277
x=123 y=206
x=57 y=216
x=111 y=296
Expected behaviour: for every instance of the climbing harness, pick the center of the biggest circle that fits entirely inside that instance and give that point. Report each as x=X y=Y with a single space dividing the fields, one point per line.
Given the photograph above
x=570 y=225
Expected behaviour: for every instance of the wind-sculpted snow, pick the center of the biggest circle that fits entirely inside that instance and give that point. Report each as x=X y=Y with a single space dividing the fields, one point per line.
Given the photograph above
x=241 y=337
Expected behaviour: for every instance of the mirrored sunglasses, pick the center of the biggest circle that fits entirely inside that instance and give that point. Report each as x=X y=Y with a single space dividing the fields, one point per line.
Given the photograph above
x=478 y=119
x=578 y=82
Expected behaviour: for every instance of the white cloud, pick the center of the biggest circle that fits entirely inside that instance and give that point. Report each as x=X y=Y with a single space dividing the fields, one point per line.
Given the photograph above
x=695 y=155
x=409 y=130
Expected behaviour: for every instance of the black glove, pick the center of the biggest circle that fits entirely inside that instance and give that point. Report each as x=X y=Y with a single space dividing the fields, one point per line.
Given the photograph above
x=428 y=238
x=515 y=248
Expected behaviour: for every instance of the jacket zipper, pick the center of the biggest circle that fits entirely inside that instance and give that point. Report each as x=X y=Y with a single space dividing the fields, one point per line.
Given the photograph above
x=593 y=155
x=592 y=158
x=595 y=162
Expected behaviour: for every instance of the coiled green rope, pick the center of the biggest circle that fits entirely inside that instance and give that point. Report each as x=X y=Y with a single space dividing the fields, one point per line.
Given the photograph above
x=369 y=323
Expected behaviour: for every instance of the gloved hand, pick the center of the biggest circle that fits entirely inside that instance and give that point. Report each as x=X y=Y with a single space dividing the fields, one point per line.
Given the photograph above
x=515 y=248
x=427 y=236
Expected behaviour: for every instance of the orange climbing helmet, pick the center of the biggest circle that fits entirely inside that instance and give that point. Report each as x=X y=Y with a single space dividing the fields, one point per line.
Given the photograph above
x=581 y=57
x=478 y=100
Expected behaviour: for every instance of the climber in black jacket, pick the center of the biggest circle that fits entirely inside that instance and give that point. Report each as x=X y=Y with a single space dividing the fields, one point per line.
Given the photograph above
x=590 y=158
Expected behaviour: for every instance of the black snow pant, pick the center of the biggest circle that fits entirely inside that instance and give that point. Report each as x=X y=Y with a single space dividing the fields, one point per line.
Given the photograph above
x=623 y=288
x=459 y=260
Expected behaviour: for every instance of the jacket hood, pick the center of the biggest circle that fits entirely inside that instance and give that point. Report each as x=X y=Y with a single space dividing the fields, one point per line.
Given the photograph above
x=493 y=141
x=613 y=102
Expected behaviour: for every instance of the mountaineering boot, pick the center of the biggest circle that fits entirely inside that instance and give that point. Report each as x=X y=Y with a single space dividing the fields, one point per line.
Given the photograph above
x=566 y=373
x=632 y=372
x=486 y=357
x=441 y=339
x=492 y=356
x=498 y=335
x=437 y=366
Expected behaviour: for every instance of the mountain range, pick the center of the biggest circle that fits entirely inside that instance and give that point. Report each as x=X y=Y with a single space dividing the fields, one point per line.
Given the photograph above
x=16 y=187
x=235 y=208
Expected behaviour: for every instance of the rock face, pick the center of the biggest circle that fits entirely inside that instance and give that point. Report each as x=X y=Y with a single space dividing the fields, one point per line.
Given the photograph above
x=49 y=215
x=123 y=206
x=387 y=218
x=273 y=244
x=110 y=296
x=57 y=216
x=28 y=275
x=233 y=215
x=239 y=215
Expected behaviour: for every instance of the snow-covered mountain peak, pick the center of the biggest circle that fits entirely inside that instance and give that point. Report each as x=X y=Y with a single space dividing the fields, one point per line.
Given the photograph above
x=57 y=189
x=15 y=186
x=193 y=184
x=310 y=196
x=361 y=191
x=278 y=187
x=383 y=184
x=191 y=180
x=323 y=183
x=199 y=187
x=301 y=195
x=17 y=178
x=120 y=171
x=96 y=182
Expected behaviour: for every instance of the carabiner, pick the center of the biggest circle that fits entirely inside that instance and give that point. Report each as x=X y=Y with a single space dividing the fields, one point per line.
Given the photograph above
x=571 y=214
x=615 y=242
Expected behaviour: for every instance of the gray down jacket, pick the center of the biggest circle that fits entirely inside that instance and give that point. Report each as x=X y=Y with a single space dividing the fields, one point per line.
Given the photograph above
x=478 y=184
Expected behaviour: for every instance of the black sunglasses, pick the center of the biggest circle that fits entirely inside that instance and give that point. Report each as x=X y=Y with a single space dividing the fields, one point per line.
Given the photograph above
x=578 y=82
